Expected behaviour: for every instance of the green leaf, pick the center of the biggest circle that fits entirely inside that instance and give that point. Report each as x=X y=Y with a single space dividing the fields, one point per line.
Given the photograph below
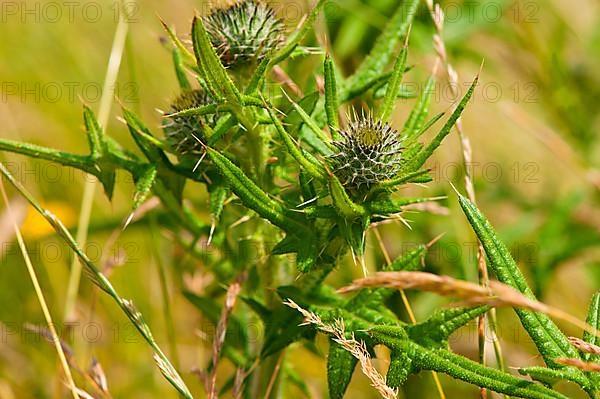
x=550 y=377
x=332 y=102
x=342 y=202
x=593 y=319
x=261 y=310
x=404 y=178
x=143 y=186
x=434 y=331
x=314 y=169
x=251 y=195
x=95 y=133
x=218 y=195
x=258 y=77
x=474 y=373
x=213 y=71
x=307 y=254
x=393 y=87
x=384 y=48
x=399 y=369
x=184 y=83
x=392 y=206
x=185 y=53
x=147 y=143
x=340 y=366
x=550 y=341
x=294 y=38
x=414 y=123
x=375 y=297
x=105 y=165
x=420 y=159
x=313 y=134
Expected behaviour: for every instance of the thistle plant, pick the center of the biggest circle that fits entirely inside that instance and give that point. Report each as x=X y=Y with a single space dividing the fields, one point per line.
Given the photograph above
x=368 y=152
x=345 y=177
x=243 y=32
x=184 y=133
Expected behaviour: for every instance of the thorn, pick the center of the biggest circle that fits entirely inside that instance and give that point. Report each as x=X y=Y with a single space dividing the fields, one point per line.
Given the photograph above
x=434 y=240
x=128 y=220
x=200 y=160
x=307 y=202
x=210 y=234
x=364 y=266
x=454 y=188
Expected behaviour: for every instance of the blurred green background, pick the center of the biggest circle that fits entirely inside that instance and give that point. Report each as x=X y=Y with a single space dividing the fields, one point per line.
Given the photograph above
x=533 y=126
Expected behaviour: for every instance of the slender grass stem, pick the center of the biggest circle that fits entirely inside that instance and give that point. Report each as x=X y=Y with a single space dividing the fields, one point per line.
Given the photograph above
x=40 y=295
x=108 y=92
x=407 y=306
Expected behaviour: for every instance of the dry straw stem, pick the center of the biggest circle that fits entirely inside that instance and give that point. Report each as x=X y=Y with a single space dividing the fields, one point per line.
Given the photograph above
x=437 y=15
x=356 y=348
x=40 y=295
x=583 y=346
x=580 y=364
x=230 y=299
x=94 y=375
x=496 y=295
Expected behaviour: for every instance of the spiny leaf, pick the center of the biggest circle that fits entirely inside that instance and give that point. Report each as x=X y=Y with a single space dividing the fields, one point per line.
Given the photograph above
x=213 y=72
x=251 y=195
x=383 y=50
x=399 y=369
x=550 y=341
x=342 y=202
x=218 y=195
x=317 y=138
x=184 y=83
x=392 y=206
x=474 y=373
x=420 y=159
x=340 y=366
x=95 y=133
x=393 y=87
x=414 y=123
x=105 y=166
x=186 y=54
x=314 y=169
x=436 y=329
x=332 y=102
x=551 y=376
x=258 y=76
x=593 y=319
x=295 y=37
x=143 y=186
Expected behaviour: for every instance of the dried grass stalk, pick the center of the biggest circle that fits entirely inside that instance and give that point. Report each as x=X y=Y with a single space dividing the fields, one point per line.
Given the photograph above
x=583 y=346
x=356 y=348
x=496 y=295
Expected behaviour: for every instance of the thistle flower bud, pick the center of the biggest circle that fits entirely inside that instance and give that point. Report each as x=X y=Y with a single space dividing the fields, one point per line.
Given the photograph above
x=184 y=132
x=368 y=152
x=244 y=32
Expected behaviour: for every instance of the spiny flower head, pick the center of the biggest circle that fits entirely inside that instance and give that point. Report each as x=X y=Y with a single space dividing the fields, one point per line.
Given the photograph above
x=369 y=152
x=244 y=32
x=184 y=132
